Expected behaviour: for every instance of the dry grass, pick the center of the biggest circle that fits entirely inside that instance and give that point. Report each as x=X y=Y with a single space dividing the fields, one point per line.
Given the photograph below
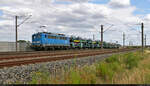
x=147 y=51
x=137 y=75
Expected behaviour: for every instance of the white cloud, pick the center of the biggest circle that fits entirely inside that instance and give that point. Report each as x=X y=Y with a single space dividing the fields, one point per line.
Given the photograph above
x=74 y=1
x=147 y=17
x=79 y=19
x=119 y=3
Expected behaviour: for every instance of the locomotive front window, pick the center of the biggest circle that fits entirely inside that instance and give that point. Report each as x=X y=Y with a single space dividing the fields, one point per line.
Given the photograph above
x=34 y=37
x=38 y=36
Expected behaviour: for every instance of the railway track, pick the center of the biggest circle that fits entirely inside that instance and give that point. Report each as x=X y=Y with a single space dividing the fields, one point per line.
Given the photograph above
x=35 y=55
x=39 y=52
x=24 y=59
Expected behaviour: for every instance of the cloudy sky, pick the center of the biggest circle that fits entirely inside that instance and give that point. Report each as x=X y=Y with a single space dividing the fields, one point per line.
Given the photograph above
x=76 y=17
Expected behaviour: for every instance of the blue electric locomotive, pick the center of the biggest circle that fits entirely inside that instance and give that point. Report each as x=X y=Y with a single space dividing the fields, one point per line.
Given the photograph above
x=46 y=41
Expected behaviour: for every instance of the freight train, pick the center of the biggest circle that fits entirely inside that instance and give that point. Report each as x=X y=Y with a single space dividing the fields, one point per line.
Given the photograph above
x=52 y=41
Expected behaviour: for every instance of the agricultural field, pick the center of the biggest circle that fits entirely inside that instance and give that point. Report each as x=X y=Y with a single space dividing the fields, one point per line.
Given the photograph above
x=129 y=68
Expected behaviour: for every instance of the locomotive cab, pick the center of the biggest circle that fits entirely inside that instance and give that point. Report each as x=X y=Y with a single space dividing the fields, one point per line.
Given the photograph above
x=36 y=39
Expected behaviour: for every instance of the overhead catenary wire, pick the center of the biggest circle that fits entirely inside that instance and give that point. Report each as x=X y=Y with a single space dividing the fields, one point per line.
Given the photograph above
x=108 y=28
x=24 y=20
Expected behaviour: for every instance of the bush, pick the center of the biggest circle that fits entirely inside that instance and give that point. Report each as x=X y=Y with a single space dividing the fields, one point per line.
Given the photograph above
x=105 y=71
x=113 y=58
x=115 y=66
x=131 y=60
